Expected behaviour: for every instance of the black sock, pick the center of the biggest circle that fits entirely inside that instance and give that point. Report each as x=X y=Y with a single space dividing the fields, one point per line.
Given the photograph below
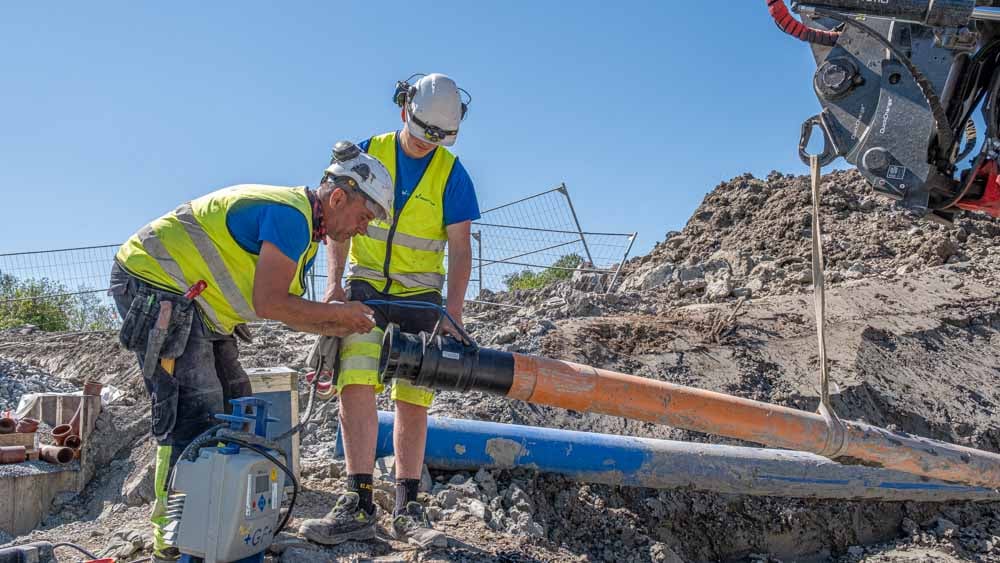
x=362 y=484
x=406 y=491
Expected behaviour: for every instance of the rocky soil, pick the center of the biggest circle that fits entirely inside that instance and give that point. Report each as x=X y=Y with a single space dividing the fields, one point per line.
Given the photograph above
x=724 y=304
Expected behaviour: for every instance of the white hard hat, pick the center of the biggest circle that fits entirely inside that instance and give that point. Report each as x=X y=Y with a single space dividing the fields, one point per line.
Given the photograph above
x=356 y=169
x=434 y=109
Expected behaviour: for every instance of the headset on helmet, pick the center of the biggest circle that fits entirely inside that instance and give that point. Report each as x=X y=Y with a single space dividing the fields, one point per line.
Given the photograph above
x=405 y=92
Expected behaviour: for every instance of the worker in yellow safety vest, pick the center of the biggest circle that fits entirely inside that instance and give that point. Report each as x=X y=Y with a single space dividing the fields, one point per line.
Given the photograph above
x=187 y=282
x=402 y=259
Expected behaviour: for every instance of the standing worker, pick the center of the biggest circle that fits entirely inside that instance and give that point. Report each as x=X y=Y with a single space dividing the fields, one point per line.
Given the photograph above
x=435 y=204
x=185 y=283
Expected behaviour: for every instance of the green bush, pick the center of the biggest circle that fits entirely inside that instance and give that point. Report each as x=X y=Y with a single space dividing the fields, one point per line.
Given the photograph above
x=561 y=269
x=39 y=302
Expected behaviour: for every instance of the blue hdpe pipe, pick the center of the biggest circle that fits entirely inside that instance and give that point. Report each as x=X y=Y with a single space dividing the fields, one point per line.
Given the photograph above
x=466 y=445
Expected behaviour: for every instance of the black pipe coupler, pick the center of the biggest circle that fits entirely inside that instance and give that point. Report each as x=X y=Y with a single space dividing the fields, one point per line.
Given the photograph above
x=443 y=363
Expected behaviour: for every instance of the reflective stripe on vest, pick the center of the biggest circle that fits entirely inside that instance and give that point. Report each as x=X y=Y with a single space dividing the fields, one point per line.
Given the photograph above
x=194 y=243
x=409 y=241
x=210 y=254
x=424 y=280
x=407 y=256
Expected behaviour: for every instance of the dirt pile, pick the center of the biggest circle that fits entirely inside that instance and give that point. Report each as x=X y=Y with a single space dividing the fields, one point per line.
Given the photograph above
x=751 y=237
x=914 y=318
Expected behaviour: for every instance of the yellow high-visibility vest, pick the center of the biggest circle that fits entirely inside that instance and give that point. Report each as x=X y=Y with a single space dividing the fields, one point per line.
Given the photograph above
x=406 y=256
x=193 y=243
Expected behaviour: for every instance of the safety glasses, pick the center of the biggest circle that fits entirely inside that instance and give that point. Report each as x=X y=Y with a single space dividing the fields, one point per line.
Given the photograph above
x=433 y=133
x=375 y=209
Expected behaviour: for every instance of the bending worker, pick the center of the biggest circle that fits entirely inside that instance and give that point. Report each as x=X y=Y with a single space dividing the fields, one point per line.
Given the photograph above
x=250 y=246
x=435 y=203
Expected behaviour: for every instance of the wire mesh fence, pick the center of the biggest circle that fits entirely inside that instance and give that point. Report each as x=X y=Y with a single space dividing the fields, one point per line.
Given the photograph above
x=71 y=282
x=523 y=244
x=528 y=243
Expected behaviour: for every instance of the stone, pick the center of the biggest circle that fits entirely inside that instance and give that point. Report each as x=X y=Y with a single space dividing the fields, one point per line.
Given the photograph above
x=426 y=483
x=139 y=489
x=486 y=482
x=648 y=278
x=434 y=513
x=448 y=498
x=944 y=527
x=506 y=335
x=909 y=526
x=286 y=541
x=467 y=489
x=384 y=499
x=384 y=475
x=543 y=327
x=304 y=555
x=741 y=292
x=693 y=286
x=478 y=509
x=517 y=498
x=718 y=289
x=690 y=273
x=660 y=552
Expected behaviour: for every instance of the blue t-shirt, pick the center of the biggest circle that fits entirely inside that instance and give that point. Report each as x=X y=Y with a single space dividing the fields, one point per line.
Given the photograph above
x=253 y=222
x=460 y=202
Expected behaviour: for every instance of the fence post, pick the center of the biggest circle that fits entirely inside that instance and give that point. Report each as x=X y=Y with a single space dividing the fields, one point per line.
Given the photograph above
x=312 y=282
x=628 y=249
x=478 y=235
x=562 y=189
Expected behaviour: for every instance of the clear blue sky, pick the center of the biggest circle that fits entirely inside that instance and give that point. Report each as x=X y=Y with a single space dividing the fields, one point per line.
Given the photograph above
x=112 y=113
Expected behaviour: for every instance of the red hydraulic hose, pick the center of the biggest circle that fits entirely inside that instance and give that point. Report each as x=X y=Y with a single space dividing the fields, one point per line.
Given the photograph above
x=787 y=23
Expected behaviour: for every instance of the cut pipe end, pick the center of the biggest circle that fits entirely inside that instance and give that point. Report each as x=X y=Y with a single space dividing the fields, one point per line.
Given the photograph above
x=7 y=425
x=56 y=454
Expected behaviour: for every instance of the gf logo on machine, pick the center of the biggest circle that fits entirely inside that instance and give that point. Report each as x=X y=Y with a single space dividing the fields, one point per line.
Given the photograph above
x=885 y=116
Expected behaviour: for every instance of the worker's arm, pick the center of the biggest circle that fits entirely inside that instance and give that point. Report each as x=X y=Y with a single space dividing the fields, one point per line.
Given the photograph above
x=459 y=268
x=336 y=258
x=271 y=300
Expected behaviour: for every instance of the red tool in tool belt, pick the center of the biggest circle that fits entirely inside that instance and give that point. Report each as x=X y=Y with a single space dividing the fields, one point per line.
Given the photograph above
x=195 y=290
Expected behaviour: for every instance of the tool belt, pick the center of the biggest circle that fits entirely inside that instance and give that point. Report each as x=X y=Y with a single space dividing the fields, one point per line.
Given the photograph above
x=141 y=319
x=155 y=341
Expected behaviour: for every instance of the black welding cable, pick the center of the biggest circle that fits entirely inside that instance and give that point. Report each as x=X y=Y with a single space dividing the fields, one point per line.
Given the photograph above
x=76 y=547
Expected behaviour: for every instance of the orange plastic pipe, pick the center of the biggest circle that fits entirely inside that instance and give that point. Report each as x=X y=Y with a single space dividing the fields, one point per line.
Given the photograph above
x=587 y=389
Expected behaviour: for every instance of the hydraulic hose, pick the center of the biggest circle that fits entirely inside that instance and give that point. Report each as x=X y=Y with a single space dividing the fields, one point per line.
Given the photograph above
x=786 y=22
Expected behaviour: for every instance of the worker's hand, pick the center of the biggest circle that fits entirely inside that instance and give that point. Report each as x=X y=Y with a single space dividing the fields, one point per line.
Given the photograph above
x=335 y=292
x=353 y=317
x=448 y=328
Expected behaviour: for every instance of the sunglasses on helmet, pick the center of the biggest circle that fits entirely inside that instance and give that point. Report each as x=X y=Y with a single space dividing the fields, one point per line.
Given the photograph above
x=433 y=133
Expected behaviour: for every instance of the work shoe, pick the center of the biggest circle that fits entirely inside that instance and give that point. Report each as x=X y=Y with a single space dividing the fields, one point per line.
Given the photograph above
x=412 y=526
x=347 y=521
x=168 y=555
